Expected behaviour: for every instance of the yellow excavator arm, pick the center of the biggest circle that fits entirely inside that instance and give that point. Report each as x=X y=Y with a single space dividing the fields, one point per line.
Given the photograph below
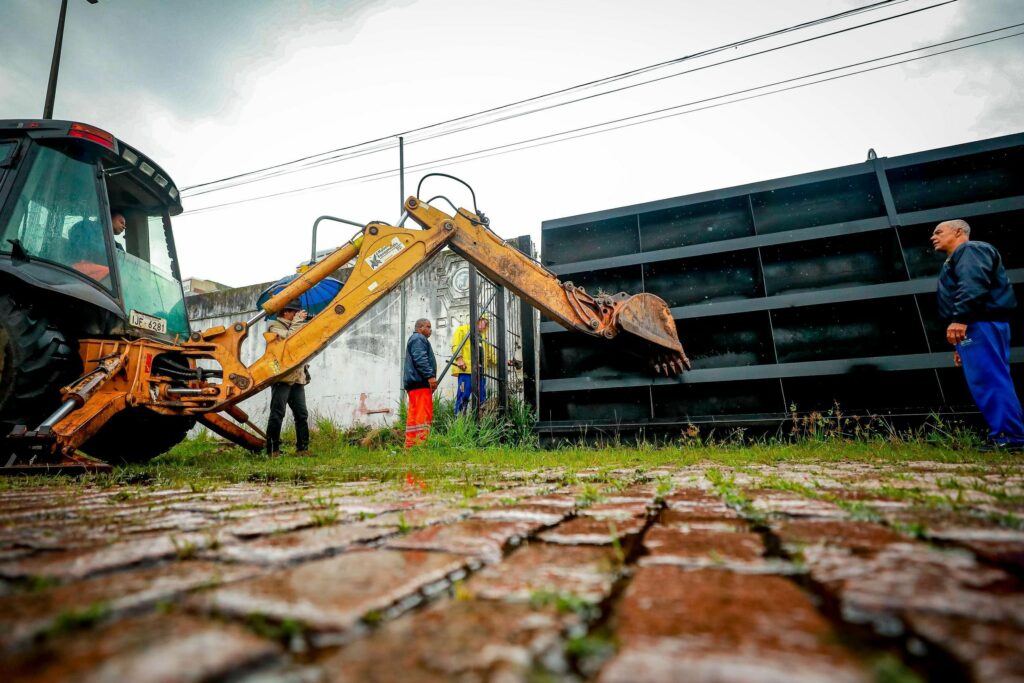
x=386 y=255
x=168 y=379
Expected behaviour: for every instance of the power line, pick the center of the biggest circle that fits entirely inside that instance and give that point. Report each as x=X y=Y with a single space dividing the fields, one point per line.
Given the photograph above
x=630 y=121
x=590 y=84
x=381 y=175
x=693 y=70
x=471 y=126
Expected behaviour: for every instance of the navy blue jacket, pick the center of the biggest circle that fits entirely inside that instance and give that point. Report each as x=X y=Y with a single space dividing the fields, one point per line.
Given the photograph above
x=973 y=285
x=420 y=363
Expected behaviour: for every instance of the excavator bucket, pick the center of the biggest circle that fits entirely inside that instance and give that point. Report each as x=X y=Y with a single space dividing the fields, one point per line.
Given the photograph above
x=648 y=317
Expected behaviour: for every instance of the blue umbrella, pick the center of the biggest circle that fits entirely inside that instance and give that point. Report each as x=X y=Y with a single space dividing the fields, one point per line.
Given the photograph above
x=313 y=301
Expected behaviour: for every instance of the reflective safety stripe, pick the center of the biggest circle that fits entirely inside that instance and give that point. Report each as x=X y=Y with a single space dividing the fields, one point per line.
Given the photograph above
x=416 y=428
x=419 y=416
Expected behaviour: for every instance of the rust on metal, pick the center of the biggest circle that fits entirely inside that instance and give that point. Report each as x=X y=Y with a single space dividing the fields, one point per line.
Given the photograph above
x=232 y=432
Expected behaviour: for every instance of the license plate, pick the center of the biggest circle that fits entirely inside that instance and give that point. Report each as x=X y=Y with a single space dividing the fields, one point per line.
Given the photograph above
x=147 y=322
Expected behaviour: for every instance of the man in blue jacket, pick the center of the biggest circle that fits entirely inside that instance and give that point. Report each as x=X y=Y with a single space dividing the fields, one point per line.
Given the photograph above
x=420 y=380
x=976 y=301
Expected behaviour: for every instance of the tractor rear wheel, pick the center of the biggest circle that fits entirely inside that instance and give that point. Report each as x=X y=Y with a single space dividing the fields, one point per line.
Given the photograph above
x=36 y=360
x=137 y=435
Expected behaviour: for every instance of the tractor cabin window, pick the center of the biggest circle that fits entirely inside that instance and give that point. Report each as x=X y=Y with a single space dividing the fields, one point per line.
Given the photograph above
x=57 y=216
x=150 y=281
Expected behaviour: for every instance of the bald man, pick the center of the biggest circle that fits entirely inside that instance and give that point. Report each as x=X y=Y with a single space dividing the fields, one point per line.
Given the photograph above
x=976 y=301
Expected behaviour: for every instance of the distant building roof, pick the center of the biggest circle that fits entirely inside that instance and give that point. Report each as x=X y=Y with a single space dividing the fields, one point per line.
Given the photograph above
x=195 y=285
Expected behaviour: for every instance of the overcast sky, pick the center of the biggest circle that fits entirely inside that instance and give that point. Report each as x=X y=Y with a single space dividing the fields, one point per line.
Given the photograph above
x=211 y=89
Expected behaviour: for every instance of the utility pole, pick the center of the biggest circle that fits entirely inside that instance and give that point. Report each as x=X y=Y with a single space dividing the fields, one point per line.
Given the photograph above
x=401 y=174
x=58 y=42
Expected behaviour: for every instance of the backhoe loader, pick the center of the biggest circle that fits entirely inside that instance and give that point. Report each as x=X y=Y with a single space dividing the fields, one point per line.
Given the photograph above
x=96 y=352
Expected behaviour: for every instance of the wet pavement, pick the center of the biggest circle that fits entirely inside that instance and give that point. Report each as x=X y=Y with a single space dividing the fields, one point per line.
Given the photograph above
x=796 y=572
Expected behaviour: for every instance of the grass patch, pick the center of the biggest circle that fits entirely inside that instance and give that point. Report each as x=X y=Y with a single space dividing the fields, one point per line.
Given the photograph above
x=463 y=457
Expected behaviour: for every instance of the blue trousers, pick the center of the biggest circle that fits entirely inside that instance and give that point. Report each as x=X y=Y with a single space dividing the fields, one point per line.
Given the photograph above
x=985 y=355
x=465 y=392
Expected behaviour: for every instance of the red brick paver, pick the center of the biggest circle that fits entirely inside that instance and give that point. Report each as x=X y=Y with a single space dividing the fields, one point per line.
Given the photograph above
x=793 y=572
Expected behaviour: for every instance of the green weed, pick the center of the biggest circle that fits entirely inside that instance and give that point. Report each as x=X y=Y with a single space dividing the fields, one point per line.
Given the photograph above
x=325 y=518
x=913 y=529
x=588 y=496
x=184 y=549
x=272 y=629
x=889 y=669
x=563 y=601
x=71 y=620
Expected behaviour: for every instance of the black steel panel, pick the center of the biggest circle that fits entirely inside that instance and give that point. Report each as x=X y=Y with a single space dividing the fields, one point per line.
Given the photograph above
x=849 y=330
x=865 y=392
x=729 y=341
x=957 y=180
x=721 y=277
x=830 y=201
x=846 y=261
x=722 y=219
x=595 y=239
x=610 y=280
x=610 y=405
x=718 y=398
x=566 y=356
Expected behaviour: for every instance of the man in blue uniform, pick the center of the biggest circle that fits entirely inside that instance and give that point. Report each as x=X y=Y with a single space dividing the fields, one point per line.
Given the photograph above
x=976 y=301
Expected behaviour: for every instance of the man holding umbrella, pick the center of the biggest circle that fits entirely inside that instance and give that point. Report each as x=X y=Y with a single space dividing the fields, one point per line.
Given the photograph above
x=290 y=390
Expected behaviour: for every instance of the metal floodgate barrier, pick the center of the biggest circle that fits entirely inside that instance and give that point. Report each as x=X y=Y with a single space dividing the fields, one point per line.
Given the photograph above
x=794 y=294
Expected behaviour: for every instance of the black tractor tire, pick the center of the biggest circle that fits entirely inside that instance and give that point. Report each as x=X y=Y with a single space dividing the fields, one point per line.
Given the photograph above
x=36 y=360
x=137 y=435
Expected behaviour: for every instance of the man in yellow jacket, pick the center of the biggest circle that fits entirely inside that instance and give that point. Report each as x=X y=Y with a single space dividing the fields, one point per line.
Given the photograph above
x=486 y=355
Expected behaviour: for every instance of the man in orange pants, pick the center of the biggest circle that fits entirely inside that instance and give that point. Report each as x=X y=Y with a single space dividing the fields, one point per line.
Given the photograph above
x=420 y=381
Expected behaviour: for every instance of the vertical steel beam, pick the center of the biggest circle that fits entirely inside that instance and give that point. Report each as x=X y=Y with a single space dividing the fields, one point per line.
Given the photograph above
x=764 y=290
x=530 y=335
x=894 y=224
x=475 y=364
x=499 y=325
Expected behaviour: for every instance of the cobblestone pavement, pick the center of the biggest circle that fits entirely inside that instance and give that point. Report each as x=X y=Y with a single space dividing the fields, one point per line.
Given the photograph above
x=837 y=572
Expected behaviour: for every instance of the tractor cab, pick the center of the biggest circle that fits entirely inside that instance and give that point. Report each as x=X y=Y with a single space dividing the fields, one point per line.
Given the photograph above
x=85 y=231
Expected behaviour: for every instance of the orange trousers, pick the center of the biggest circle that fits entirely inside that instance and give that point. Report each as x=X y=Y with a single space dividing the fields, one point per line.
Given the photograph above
x=419 y=416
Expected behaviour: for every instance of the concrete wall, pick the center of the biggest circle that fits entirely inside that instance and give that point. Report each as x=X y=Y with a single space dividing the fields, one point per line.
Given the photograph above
x=357 y=379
